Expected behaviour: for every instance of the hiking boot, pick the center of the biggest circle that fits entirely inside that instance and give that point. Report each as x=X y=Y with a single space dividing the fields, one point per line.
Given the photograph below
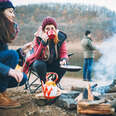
x=6 y=102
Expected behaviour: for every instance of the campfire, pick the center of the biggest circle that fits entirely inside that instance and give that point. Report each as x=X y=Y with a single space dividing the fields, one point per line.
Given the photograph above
x=88 y=103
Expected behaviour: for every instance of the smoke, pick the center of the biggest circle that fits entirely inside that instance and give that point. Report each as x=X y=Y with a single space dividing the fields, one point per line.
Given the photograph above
x=105 y=67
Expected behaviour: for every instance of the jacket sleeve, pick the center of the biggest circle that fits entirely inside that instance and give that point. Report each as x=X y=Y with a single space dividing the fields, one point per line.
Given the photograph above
x=37 y=51
x=63 y=51
x=91 y=46
x=4 y=69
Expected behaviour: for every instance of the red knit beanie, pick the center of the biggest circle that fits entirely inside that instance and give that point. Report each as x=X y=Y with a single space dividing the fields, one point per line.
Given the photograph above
x=48 y=21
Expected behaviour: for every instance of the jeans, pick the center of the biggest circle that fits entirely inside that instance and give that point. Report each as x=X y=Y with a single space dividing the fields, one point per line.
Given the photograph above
x=10 y=59
x=87 y=68
x=42 y=67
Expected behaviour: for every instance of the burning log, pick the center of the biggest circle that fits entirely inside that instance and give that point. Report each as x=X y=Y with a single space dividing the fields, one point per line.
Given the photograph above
x=77 y=89
x=112 y=90
x=90 y=102
x=87 y=94
x=88 y=105
x=110 y=96
x=84 y=108
x=90 y=95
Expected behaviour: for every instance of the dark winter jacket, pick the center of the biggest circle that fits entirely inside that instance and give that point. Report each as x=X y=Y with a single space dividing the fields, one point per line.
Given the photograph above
x=4 y=69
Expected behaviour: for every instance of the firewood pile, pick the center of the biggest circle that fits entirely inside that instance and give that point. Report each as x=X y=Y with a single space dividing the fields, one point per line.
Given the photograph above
x=87 y=103
x=84 y=101
x=91 y=107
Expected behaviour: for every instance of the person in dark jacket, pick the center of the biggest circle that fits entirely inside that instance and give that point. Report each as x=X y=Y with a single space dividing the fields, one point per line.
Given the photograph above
x=49 y=50
x=9 y=77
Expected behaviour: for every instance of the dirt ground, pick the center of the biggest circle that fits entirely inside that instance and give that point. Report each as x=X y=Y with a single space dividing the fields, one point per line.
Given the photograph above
x=29 y=106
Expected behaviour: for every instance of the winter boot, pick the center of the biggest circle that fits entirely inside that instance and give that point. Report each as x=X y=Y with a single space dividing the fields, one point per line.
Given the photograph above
x=6 y=102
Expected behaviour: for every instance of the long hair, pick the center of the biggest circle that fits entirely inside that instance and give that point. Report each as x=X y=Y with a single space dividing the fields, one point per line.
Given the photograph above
x=6 y=29
x=56 y=40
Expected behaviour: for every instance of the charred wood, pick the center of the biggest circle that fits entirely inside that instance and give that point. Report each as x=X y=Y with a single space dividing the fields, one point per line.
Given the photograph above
x=83 y=107
x=67 y=100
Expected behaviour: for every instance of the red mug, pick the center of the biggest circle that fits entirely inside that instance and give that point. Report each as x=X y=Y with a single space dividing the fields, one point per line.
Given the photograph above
x=51 y=34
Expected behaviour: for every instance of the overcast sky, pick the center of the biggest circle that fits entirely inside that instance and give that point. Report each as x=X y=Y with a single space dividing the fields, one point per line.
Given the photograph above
x=111 y=4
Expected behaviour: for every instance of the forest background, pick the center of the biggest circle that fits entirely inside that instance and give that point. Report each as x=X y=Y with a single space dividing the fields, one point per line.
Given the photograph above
x=73 y=19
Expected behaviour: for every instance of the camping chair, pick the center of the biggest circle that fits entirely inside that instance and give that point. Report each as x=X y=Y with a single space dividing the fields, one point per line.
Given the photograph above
x=30 y=83
x=34 y=84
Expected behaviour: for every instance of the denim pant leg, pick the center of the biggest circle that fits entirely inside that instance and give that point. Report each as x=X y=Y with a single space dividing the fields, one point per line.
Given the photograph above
x=85 y=68
x=54 y=67
x=9 y=58
x=90 y=63
x=40 y=68
x=13 y=83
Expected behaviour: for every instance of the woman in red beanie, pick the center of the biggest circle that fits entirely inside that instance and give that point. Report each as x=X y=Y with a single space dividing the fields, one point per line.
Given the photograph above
x=9 y=77
x=49 y=50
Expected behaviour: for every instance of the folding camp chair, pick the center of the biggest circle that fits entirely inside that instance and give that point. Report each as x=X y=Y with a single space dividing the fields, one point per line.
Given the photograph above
x=33 y=83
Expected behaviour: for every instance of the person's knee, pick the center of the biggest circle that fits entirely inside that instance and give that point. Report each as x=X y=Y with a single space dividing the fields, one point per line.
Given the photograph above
x=39 y=66
x=89 y=69
x=24 y=79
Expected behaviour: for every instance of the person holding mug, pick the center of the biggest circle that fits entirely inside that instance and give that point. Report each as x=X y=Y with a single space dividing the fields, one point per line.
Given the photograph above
x=49 y=51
